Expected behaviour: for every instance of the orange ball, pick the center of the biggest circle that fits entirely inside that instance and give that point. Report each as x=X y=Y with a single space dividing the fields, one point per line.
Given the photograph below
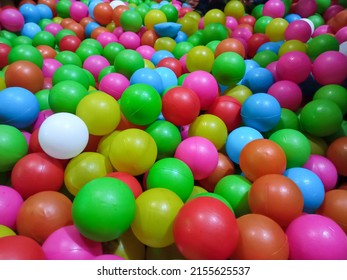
x=149 y=37
x=277 y=197
x=117 y=13
x=261 y=238
x=230 y=45
x=261 y=157
x=97 y=31
x=103 y=13
x=77 y=28
x=47 y=51
x=337 y=153
x=66 y=21
x=84 y=21
x=24 y=74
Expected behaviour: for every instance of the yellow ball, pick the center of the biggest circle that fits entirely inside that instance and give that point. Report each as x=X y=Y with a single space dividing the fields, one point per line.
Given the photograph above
x=214 y=16
x=239 y=92
x=149 y=64
x=134 y=151
x=165 y=43
x=156 y=210
x=2 y=83
x=197 y=190
x=210 y=127
x=194 y=15
x=6 y=231
x=200 y=58
x=105 y=144
x=292 y=45
x=154 y=17
x=189 y=25
x=234 y=9
x=275 y=29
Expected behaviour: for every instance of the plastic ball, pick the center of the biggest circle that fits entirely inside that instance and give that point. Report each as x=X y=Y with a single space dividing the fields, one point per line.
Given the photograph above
x=199 y=154
x=292 y=45
x=114 y=84
x=264 y=58
x=78 y=11
x=36 y=222
x=287 y=93
x=337 y=154
x=275 y=29
x=67 y=243
x=71 y=72
x=129 y=180
x=200 y=58
x=298 y=30
x=154 y=17
x=321 y=117
x=131 y=20
x=196 y=237
x=234 y=9
x=258 y=79
x=256 y=153
x=320 y=44
x=94 y=64
x=127 y=62
x=10 y=203
x=274 y=9
x=6 y=231
x=63 y=135
x=103 y=13
x=12 y=19
x=261 y=238
x=329 y=242
x=149 y=77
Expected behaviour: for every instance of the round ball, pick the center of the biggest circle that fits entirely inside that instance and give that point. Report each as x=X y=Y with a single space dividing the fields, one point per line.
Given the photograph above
x=337 y=153
x=10 y=203
x=129 y=180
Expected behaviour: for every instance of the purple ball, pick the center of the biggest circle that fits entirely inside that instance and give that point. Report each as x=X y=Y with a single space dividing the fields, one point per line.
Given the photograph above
x=10 y=202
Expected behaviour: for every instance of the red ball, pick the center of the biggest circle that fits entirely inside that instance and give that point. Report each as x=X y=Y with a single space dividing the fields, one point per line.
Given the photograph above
x=230 y=45
x=254 y=42
x=247 y=19
x=69 y=43
x=19 y=247
x=43 y=213
x=37 y=172
x=34 y=144
x=103 y=13
x=205 y=228
x=337 y=153
x=172 y=63
x=180 y=105
x=277 y=197
x=4 y=51
x=129 y=180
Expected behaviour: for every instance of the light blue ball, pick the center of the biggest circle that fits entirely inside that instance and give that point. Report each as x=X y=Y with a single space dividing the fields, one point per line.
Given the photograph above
x=271 y=46
x=44 y=11
x=168 y=77
x=181 y=37
x=159 y=55
x=30 y=29
x=147 y=76
x=291 y=17
x=258 y=79
x=30 y=13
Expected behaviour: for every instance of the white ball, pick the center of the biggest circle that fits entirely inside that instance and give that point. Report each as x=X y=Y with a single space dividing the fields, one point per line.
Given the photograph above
x=63 y=135
x=116 y=3
x=343 y=48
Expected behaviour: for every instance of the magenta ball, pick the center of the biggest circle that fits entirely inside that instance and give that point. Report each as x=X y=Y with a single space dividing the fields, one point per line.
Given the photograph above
x=114 y=84
x=43 y=115
x=272 y=68
x=67 y=243
x=130 y=40
x=330 y=68
x=94 y=64
x=231 y=22
x=287 y=93
x=322 y=29
x=298 y=30
x=324 y=169
x=105 y=38
x=341 y=35
x=274 y=9
x=11 y=19
x=305 y=8
x=53 y=28
x=294 y=66
x=199 y=154
x=50 y=65
x=108 y=257
x=78 y=11
x=315 y=237
x=146 y=51
x=10 y=202
x=204 y=85
x=118 y=31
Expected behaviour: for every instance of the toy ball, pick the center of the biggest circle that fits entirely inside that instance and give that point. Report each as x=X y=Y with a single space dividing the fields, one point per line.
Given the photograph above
x=261 y=111
x=37 y=172
x=256 y=153
x=287 y=93
x=200 y=58
x=114 y=84
x=36 y=222
x=275 y=29
x=78 y=11
x=66 y=243
x=130 y=40
x=274 y=9
x=263 y=58
x=320 y=44
x=13 y=146
x=10 y=203
x=18 y=107
x=261 y=238
x=12 y=19
x=204 y=85
x=6 y=231
x=337 y=154
x=127 y=61
x=63 y=135
x=336 y=93
x=315 y=237
x=71 y=72
x=334 y=207
x=199 y=154
x=19 y=247
x=311 y=187
x=94 y=64
x=321 y=117
x=156 y=210
x=180 y=105
x=103 y=209
x=205 y=228
x=49 y=66
x=173 y=64
x=298 y=30
x=294 y=66
x=325 y=170
x=168 y=77
x=178 y=177
x=330 y=68
x=134 y=151
x=258 y=79
x=129 y=180
x=277 y=197
x=149 y=77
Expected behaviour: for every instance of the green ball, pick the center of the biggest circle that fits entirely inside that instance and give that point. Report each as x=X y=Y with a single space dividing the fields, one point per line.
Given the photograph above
x=22 y=40
x=68 y=57
x=215 y=31
x=105 y=71
x=142 y=9
x=42 y=97
x=321 y=117
x=127 y=62
x=295 y=145
x=235 y=188
x=213 y=45
x=288 y=119
x=103 y=209
x=167 y=137
x=131 y=20
x=72 y=73
x=322 y=5
x=181 y=78
x=62 y=33
x=111 y=50
x=317 y=20
x=94 y=44
x=172 y=174
x=228 y=68
x=181 y=49
x=261 y=23
x=63 y=8
x=91 y=78
x=170 y=11
x=336 y=93
x=197 y=38
x=320 y=44
x=265 y=57
x=65 y=96
x=13 y=146
x=85 y=51
x=44 y=22
x=140 y=104
x=25 y=52
x=44 y=38
x=8 y=35
x=257 y=11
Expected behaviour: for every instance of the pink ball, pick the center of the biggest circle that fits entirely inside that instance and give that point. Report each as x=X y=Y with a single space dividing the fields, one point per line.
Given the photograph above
x=298 y=30
x=341 y=35
x=294 y=66
x=184 y=131
x=231 y=22
x=323 y=29
x=130 y=40
x=287 y=93
x=315 y=237
x=105 y=38
x=272 y=68
x=201 y=24
x=332 y=11
x=44 y=114
x=305 y=8
x=10 y=203
x=53 y=28
x=78 y=11
x=50 y=65
x=205 y=86
x=324 y=169
x=146 y=51
x=67 y=243
x=114 y=84
x=27 y=136
x=94 y=64
x=183 y=61
x=118 y=31
x=108 y=257
x=330 y=68
x=11 y=19
x=242 y=33
x=274 y=9
x=199 y=154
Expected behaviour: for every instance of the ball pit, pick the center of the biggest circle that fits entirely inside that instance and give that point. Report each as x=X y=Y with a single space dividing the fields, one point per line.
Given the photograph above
x=219 y=109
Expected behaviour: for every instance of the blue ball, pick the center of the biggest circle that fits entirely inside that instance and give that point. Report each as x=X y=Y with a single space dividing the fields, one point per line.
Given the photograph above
x=44 y=11
x=168 y=77
x=270 y=46
x=30 y=29
x=261 y=111
x=310 y=186
x=292 y=17
x=251 y=64
x=258 y=79
x=92 y=5
x=238 y=139
x=159 y=55
x=147 y=76
x=18 y=107
x=181 y=37
x=90 y=28
x=30 y=13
